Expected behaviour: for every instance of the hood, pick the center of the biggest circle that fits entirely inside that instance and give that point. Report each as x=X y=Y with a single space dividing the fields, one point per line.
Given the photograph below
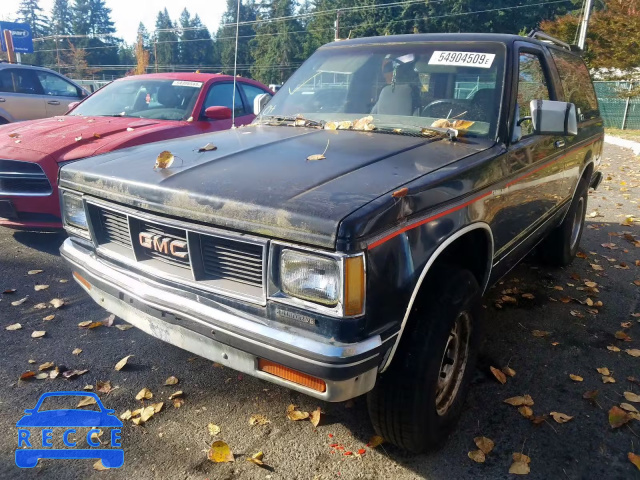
x=259 y=180
x=72 y=137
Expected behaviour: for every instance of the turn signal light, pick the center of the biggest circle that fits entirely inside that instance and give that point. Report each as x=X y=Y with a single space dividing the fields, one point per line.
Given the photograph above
x=353 y=285
x=291 y=375
x=82 y=280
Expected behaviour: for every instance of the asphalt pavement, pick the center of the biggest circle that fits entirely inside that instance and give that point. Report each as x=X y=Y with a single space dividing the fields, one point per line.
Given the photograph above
x=173 y=443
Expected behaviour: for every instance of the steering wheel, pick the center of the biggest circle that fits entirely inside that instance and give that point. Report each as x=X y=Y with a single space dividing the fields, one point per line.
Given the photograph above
x=457 y=107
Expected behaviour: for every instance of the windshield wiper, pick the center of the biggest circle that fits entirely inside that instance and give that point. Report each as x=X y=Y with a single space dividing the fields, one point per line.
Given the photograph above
x=298 y=121
x=450 y=133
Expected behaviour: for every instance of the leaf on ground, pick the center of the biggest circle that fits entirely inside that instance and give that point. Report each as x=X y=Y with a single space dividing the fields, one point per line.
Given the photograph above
x=213 y=429
x=178 y=402
x=501 y=377
x=256 y=458
x=144 y=394
x=375 y=441
x=634 y=352
x=540 y=333
x=93 y=325
x=560 y=417
x=27 y=374
x=258 y=419
x=613 y=348
x=635 y=459
x=484 y=444
x=40 y=306
x=37 y=288
x=147 y=413
x=124 y=327
x=596 y=267
x=42 y=375
x=77 y=351
x=509 y=371
x=220 y=452
x=477 y=456
x=520 y=400
x=620 y=335
x=9 y=290
x=108 y=322
x=590 y=395
x=120 y=365
x=34 y=272
x=57 y=302
x=528 y=296
x=73 y=373
x=38 y=333
x=632 y=397
x=608 y=379
x=157 y=406
x=520 y=465
x=13 y=327
x=171 y=380
x=48 y=318
x=525 y=411
x=603 y=371
x=103 y=387
x=296 y=415
x=87 y=401
x=45 y=366
x=99 y=466
x=618 y=417
x=84 y=324
x=315 y=416
x=175 y=394
x=575 y=378
x=19 y=302
x=628 y=407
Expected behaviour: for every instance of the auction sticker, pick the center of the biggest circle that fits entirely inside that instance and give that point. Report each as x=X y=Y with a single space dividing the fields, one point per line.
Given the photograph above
x=184 y=83
x=462 y=59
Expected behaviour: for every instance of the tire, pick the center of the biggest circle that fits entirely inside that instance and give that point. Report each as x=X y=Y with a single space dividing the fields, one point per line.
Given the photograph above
x=402 y=406
x=560 y=247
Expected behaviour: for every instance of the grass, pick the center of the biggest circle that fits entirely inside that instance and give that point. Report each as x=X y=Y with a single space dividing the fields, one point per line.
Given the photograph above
x=627 y=134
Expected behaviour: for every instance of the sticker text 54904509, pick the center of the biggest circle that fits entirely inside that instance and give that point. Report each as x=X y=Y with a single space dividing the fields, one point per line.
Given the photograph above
x=462 y=59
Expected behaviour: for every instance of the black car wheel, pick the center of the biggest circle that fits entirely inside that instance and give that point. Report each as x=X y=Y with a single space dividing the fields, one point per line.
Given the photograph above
x=418 y=400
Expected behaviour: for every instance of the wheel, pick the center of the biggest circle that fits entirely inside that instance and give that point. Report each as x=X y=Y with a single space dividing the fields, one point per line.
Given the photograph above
x=560 y=247
x=418 y=400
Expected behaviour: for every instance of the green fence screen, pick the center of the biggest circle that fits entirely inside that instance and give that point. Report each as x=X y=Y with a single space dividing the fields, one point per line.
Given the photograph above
x=614 y=102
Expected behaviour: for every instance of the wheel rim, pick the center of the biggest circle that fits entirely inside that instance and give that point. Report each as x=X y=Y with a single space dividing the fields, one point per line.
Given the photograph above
x=576 y=226
x=454 y=363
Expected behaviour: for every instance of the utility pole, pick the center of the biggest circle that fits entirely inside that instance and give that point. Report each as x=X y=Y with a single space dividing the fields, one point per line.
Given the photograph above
x=155 y=53
x=337 y=26
x=585 y=23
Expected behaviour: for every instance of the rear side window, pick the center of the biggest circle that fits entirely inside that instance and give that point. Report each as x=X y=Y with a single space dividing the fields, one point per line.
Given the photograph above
x=19 y=81
x=576 y=84
x=6 y=81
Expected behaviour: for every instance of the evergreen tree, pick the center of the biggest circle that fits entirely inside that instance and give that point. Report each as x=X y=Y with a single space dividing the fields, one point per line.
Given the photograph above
x=30 y=12
x=203 y=46
x=61 y=18
x=225 y=37
x=100 y=18
x=81 y=17
x=165 y=42
x=187 y=48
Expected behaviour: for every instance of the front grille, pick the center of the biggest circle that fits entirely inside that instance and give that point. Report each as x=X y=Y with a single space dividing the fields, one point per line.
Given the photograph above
x=160 y=249
x=114 y=228
x=233 y=260
x=23 y=178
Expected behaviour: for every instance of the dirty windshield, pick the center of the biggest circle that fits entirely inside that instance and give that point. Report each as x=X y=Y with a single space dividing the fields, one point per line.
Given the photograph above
x=401 y=88
x=145 y=98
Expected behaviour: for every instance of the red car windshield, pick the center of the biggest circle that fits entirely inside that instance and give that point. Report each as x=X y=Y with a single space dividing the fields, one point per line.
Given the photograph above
x=143 y=98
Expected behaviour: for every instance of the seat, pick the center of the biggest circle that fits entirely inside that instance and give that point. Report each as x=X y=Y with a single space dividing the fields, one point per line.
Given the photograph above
x=168 y=97
x=483 y=105
x=402 y=96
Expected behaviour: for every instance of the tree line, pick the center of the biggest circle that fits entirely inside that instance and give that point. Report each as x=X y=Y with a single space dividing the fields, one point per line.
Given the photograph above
x=274 y=36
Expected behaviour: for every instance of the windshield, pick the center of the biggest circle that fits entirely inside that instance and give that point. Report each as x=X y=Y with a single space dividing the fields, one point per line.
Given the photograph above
x=403 y=87
x=143 y=98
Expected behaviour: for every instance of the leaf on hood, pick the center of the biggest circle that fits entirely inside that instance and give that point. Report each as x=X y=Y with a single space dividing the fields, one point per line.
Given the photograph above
x=213 y=429
x=19 y=302
x=634 y=352
x=477 y=456
x=603 y=371
x=258 y=419
x=103 y=387
x=635 y=459
x=364 y=123
x=484 y=444
x=315 y=416
x=256 y=458
x=560 y=417
x=14 y=135
x=119 y=366
x=220 y=452
x=509 y=371
x=375 y=441
x=519 y=401
x=501 y=377
x=144 y=394
x=38 y=333
x=164 y=159
x=76 y=351
x=57 y=302
x=84 y=324
x=400 y=193
x=207 y=148
x=34 y=272
x=87 y=401
x=54 y=373
x=319 y=156
x=78 y=138
x=46 y=366
x=97 y=135
x=171 y=381
x=157 y=407
x=27 y=374
x=632 y=397
x=48 y=317
x=575 y=378
x=618 y=417
x=613 y=348
x=13 y=327
x=540 y=333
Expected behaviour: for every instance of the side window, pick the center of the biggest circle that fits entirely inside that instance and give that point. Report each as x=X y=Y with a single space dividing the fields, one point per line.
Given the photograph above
x=24 y=81
x=56 y=86
x=251 y=92
x=532 y=85
x=576 y=84
x=221 y=95
x=6 y=81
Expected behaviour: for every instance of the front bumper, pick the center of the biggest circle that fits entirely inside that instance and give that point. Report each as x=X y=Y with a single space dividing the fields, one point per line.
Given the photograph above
x=228 y=336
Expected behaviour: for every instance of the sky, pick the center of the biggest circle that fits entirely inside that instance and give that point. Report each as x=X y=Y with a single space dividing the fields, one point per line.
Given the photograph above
x=127 y=14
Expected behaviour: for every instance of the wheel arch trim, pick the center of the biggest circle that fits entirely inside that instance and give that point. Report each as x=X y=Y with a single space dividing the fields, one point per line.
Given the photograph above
x=432 y=259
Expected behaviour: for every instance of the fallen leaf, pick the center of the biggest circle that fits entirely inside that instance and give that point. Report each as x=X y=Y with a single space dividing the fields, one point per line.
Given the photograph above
x=144 y=394
x=77 y=351
x=561 y=417
x=48 y=317
x=620 y=335
x=590 y=395
x=208 y=147
x=400 y=193
x=178 y=402
x=477 y=456
x=57 y=302
x=99 y=466
x=157 y=407
x=129 y=129
x=54 y=373
x=40 y=306
x=27 y=374
x=258 y=419
x=596 y=267
x=519 y=401
x=315 y=416
x=520 y=465
x=213 y=429
x=164 y=159
x=634 y=352
x=147 y=413
x=124 y=327
x=635 y=459
x=499 y=375
x=509 y=371
x=618 y=417
x=171 y=381
x=632 y=397
x=540 y=333
x=484 y=444
x=525 y=411
x=34 y=272
x=45 y=366
x=576 y=378
x=42 y=376
x=608 y=379
x=603 y=371
x=93 y=325
x=103 y=387
x=257 y=459
x=175 y=394
x=613 y=348
x=73 y=373
x=87 y=401
x=78 y=138
x=13 y=327
x=319 y=156
x=19 y=302
x=38 y=333
x=96 y=135
x=528 y=296
x=107 y=322
x=126 y=415
x=220 y=452
x=375 y=441
x=296 y=415
x=122 y=362
x=628 y=407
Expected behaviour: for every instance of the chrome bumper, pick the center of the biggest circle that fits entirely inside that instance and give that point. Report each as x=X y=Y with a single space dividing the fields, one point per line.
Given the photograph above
x=349 y=370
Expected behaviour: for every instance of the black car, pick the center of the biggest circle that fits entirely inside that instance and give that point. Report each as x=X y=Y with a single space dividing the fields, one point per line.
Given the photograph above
x=341 y=244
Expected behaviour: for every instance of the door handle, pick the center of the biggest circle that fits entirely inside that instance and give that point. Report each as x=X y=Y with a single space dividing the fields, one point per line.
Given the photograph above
x=2 y=100
x=53 y=102
x=559 y=144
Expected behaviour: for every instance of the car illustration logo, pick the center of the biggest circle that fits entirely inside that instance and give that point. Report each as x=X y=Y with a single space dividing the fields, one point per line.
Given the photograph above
x=39 y=430
x=167 y=245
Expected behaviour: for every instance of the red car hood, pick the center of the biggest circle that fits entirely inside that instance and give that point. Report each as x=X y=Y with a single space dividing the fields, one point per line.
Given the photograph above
x=73 y=137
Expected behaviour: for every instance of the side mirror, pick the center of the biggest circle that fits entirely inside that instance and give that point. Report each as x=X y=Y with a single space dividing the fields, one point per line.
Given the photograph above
x=259 y=102
x=218 y=113
x=553 y=118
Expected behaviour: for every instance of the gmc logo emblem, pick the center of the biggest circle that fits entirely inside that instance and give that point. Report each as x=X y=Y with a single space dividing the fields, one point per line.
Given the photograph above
x=166 y=245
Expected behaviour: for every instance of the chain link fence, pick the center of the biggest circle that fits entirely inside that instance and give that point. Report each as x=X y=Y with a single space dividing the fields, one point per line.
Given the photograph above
x=616 y=107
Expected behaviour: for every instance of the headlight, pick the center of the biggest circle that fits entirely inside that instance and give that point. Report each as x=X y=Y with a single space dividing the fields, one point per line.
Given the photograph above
x=310 y=277
x=73 y=211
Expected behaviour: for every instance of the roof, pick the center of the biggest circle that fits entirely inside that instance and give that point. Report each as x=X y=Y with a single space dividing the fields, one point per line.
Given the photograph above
x=188 y=76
